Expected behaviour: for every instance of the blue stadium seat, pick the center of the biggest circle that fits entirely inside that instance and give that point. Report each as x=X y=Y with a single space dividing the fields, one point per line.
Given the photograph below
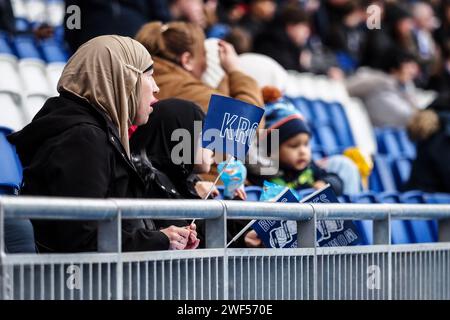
x=327 y=139
x=318 y=154
x=364 y=197
x=345 y=198
x=314 y=144
x=10 y=167
x=388 y=143
x=22 y=25
x=365 y=227
x=319 y=112
x=341 y=125
x=253 y=193
x=414 y=196
x=381 y=178
x=301 y=104
x=58 y=34
x=388 y=197
x=26 y=48
x=407 y=147
x=422 y=230
x=402 y=170
x=52 y=51
x=439 y=198
x=400 y=231
x=19 y=235
x=5 y=48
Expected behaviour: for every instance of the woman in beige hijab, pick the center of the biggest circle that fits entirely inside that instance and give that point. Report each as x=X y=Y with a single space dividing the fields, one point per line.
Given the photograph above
x=77 y=145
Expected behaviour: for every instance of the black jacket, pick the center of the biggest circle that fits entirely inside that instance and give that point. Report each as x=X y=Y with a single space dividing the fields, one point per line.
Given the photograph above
x=7 y=16
x=71 y=149
x=431 y=170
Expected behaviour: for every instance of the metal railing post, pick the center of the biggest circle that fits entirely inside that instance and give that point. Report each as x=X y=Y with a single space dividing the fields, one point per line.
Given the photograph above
x=382 y=236
x=109 y=239
x=216 y=230
x=382 y=230
x=306 y=231
x=226 y=286
x=307 y=238
x=109 y=235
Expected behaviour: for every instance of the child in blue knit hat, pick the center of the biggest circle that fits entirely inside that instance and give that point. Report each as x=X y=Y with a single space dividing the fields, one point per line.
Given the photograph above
x=297 y=169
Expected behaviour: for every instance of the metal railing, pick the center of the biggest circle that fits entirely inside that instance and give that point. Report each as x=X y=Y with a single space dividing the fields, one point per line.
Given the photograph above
x=380 y=271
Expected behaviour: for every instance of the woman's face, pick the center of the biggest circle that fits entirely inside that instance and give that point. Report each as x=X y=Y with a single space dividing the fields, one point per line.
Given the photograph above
x=148 y=90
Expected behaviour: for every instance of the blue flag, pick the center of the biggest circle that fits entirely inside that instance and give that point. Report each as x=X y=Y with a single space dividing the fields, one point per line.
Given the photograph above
x=230 y=126
x=331 y=233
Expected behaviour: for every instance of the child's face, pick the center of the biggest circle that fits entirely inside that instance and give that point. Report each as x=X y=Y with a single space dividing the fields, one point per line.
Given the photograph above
x=295 y=153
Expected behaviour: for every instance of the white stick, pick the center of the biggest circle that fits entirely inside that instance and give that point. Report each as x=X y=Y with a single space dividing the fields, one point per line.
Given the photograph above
x=241 y=232
x=217 y=180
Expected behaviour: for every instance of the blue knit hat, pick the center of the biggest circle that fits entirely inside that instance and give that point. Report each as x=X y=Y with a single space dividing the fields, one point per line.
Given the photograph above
x=282 y=115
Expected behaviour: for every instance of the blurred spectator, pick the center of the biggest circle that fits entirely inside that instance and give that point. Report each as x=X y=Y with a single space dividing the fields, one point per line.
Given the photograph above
x=187 y=10
x=440 y=82
x=285 y=38
x=121 y=17
x=388 y=95
x=430 y=128
x=425 y=24
x=241 y=40
x=443 y=32
x=396 y=31
x=8 y=22
x=179 y=53
x=340 y=24
x=231 y=11
x=259 y=14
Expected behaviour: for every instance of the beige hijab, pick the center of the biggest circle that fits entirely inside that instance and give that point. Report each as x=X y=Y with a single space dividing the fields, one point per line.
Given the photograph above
x=106 y=72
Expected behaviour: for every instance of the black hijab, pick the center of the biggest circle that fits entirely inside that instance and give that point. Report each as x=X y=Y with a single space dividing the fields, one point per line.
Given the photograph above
x=155 y=136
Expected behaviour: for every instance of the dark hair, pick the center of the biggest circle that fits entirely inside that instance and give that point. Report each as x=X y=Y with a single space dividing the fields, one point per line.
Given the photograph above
x=395 y=57
x=291 y=14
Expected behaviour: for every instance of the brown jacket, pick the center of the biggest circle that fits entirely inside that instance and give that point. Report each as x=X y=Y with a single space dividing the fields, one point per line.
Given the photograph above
x=174 y=82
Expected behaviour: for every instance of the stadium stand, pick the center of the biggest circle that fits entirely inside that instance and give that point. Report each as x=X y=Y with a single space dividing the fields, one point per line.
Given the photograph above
x=30 y=70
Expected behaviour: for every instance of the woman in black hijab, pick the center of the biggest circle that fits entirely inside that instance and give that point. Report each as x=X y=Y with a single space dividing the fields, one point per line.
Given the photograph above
x=152 y=147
